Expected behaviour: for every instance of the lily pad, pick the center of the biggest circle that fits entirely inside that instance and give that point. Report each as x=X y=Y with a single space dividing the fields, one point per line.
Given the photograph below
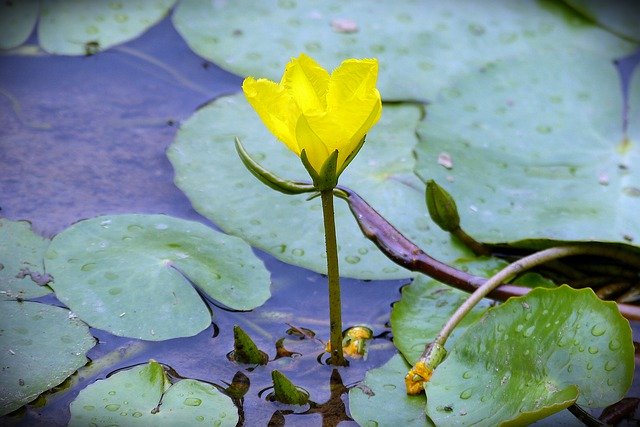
x=533 y=356
x=21 y=261
x=620 y=17
x=537 y=151
x=421 y=45
x=382 y=400
x=143 y=396
x=40 y=346
x=17 y=20
x=427 y=304
x=132 y=274
x=79 y=27
x=209 y=171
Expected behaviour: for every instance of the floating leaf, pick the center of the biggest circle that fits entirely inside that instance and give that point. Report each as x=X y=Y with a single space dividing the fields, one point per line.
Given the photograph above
x=17 y=20
x=40 y=346
x=290 y=227
x=130 y=274
x=142 y=396
x=533 y=356
x=421 y=45
x=21 y=261
x=382 y=400
x=79 y=27
x=245 y=350
x=620 y=17
x=538 y=151
x=284 y=391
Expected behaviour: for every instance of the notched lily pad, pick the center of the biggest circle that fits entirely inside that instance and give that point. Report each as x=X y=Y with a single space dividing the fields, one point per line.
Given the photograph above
x=143 y=396
x=533 y=356
x=40 y=346
x=290 y=227
x=22 y=261
x=17 y=19
x=130 y=274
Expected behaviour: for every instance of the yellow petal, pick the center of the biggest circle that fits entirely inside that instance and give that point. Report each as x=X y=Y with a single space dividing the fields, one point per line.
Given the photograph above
x=307 y=83
x=353 y=78
x=315 y=148
x=275 y=107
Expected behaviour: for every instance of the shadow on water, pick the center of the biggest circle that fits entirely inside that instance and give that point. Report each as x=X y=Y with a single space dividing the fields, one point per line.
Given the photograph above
x=86 y=136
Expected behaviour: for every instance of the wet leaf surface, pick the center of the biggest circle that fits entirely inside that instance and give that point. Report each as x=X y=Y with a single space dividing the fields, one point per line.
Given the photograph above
x=132 y=274
x=40 y=346
x=17 y=20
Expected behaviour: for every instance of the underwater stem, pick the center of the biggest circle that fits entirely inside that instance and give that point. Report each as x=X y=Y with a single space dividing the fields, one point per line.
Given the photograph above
x=335 y=305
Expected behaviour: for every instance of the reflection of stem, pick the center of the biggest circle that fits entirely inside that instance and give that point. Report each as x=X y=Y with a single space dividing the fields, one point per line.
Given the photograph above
x=406 y=254
x=335 y=306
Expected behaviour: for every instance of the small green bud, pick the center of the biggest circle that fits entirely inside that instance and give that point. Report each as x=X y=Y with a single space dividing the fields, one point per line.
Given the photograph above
x=442 y=208
x=245 y=350
x=284 y=391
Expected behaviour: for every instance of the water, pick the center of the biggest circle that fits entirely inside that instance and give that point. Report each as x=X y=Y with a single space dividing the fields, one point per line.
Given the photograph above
x=86 y=136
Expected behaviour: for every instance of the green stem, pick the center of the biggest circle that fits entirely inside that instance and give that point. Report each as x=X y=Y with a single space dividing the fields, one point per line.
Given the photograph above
x=335 y=305
x=508 y=273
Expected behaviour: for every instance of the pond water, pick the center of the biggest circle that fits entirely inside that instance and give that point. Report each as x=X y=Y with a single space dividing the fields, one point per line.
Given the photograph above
x=86 y=136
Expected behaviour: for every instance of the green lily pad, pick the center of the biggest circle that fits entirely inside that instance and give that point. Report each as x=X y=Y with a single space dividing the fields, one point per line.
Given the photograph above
x=21 y=261
x=421 y=45
x=426 y=305
x=381 y=399
x=130 y=274
x=40 y=346
x=209 y=171
x=620 y=17
x=17 y=20
x=533 y=356
x=537 y=151
x=79 y=27
x=143 y=396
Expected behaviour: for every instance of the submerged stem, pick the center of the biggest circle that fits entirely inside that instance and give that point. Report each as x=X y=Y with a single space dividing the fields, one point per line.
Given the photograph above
x=335 y=305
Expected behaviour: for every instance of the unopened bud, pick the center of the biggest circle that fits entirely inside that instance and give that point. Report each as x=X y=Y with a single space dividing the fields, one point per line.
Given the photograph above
x=442 y=208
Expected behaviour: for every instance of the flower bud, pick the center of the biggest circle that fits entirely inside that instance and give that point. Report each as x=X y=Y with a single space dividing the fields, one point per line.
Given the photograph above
x=442 y=208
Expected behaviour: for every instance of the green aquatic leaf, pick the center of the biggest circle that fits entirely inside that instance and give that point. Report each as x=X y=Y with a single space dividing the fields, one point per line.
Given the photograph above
x=381 y=399
x=538 y=152
x=289 y=227
x=80 y=27
x=143 y=396
x=421 y=45
x=533 y=356
x=284 y=391
x=132 y=274
x=17 y=20
x=21 y=261
x=40 y=346
x=621 y=17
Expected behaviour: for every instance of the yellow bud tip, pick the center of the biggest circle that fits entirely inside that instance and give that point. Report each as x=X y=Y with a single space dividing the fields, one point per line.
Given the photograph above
x=416 y=377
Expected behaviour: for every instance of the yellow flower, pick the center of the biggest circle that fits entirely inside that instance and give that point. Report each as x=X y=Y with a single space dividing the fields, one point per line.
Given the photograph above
x=315 y=113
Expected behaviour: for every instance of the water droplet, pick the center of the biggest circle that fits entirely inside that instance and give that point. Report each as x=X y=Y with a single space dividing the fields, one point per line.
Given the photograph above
x=51 y=254
x=544 y=129
x=115 y=291
x=134 y=228
x=136 y=414
x=581 y=349
x=528 y=316
x=88 y=407
x=363 y=251
x=614 y=344
x=88 y=267
x=610 y=365
x=298 y=252
x=570 y=368
x=112 y=393
x=500 y=328
x=352 y=259
x=467 y=375
x=192 y=401
x=519 y=328
x=610 y=382
x=529 y=331
x=598 y=330
x=161 y=226
x=126 y=238
x=112 y=407
x=121 y=18
x=465 y=394
x=593 y=350
x=105 y=223
x=199 y=418
x=545 y=312
x=109 y=275
x=389 y=387
x=589 y=366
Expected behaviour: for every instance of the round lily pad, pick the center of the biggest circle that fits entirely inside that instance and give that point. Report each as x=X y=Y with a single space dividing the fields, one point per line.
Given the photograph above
x=143 y=396
x=134 y=275
x=40 y=346
x=21 y=261
x=213 y=177
x=537 y=151
x=80 y=27
x=17 y=20
x=421 y=45
x=533 y=356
